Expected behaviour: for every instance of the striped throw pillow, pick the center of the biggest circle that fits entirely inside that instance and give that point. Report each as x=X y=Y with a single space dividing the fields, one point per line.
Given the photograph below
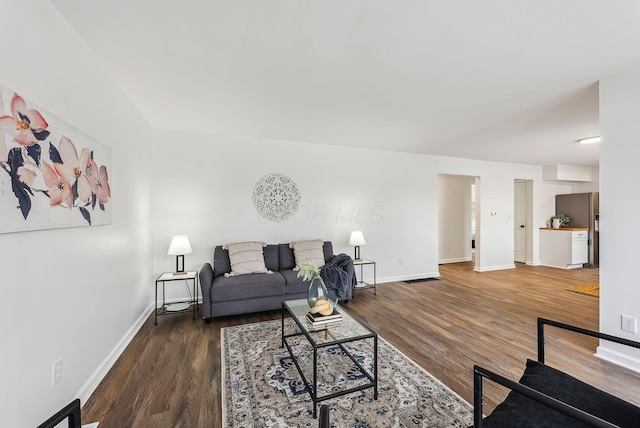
x=308 y=250
x=246 y=257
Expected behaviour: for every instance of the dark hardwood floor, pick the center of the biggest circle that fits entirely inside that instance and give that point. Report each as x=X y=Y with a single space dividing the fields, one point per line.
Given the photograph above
x=169 y=376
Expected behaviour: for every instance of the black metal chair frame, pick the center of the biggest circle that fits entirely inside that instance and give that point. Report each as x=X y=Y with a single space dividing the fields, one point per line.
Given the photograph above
x=324 y=417
x=71 y=412
x=479 y=373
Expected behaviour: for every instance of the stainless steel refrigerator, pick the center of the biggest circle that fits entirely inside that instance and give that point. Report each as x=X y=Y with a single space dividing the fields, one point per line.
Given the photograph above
x=583 y=211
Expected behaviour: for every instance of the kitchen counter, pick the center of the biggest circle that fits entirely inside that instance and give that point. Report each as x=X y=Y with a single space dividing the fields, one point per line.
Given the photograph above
x=567 y=250
x=571 y=229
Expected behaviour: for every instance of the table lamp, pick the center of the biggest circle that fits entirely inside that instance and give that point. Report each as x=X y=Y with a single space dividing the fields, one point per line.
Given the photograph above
x=357 y=239
x=179 y=247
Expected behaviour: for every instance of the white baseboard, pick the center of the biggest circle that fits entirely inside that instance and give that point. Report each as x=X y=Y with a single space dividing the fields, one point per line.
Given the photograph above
x=455 y=260
x=618 y=358
x=96 y=377
x=534 y=263
x=490 y=268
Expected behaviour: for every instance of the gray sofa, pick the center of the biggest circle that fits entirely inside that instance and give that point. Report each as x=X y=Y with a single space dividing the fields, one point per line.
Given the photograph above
x=222 y=296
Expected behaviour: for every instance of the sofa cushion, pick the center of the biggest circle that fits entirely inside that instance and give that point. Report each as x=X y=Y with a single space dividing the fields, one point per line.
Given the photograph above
x=286 y=259
x=225 y=289
x=271 y=259
x=519 y=410
x=295 y=284
x=308 y=251
x=327 y=249
x=246 y=258
x=221 y=263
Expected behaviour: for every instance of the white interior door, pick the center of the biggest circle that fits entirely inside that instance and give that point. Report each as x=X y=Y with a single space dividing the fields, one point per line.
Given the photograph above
x=519 y=223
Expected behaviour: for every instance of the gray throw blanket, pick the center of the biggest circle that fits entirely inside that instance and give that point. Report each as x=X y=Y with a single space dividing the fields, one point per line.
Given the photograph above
x=335 y=276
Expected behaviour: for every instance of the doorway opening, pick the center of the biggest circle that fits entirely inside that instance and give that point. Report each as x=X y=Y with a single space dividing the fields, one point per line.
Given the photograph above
x=458 y=235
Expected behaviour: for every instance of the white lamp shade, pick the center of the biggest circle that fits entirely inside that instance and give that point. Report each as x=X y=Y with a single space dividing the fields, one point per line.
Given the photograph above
x=179 y=246
x=357 y=238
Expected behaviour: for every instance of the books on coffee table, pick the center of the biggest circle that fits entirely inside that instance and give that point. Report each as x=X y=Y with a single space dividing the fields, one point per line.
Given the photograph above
x=317 y=319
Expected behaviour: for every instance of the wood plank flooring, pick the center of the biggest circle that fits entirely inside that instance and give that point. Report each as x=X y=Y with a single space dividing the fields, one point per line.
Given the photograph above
x=169 y=376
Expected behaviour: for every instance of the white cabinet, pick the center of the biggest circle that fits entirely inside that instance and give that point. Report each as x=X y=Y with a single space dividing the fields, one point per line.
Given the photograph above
x=579 y=247
x=564 y=248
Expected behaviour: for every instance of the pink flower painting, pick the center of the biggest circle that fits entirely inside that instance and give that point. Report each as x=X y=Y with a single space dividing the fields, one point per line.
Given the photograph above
x=25 y=125
x=53 y=184
x=59 y=188
x=99 y=180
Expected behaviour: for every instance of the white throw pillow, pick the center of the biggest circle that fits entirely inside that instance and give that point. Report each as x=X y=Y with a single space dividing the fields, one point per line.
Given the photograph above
x=308 y=250
x=246 y=257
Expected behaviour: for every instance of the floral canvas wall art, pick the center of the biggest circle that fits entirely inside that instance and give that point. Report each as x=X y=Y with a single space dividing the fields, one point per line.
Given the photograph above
x=52 y=175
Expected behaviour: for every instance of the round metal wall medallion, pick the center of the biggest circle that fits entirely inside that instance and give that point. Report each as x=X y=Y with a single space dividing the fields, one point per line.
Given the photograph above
x=276 y=197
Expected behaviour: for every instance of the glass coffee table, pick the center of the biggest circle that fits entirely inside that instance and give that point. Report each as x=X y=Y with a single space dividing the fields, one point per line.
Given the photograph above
x=332 y=359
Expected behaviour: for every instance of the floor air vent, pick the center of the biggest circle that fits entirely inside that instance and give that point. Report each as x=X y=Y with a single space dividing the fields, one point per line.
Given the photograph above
x=412 y=281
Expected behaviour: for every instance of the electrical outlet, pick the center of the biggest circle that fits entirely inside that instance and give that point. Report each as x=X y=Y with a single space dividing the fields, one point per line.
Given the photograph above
x=56 y=371
x=400 y=262
x=628 y=324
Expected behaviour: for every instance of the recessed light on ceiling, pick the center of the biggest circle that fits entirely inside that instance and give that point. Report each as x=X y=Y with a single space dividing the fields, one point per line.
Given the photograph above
x=589 y=140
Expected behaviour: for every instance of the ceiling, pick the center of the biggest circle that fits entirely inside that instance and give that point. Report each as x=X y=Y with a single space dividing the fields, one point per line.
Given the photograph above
x=500 y=80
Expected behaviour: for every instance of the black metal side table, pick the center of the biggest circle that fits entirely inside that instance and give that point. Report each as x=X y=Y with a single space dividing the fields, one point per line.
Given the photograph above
x=362 y=285
x=176 y=307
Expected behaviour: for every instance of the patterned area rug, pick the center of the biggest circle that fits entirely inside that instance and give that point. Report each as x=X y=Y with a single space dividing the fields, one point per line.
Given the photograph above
x=261 y=386
x=588 y=289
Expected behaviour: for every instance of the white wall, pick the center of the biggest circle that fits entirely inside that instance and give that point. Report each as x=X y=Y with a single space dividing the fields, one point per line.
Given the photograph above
x=454 y=218
x=203 y=188
x=589 y=186
x=619 y=208
x=203 y=185
x=70 y=293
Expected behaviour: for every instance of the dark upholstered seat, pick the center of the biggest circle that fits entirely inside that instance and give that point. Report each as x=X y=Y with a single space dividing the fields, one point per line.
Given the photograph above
x=520 y=411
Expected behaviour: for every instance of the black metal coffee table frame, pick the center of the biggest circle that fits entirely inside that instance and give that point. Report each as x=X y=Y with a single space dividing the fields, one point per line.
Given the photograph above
x=293 y=308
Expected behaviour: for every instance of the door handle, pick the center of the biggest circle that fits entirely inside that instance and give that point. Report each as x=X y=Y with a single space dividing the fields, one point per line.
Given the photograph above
x=522 y=225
